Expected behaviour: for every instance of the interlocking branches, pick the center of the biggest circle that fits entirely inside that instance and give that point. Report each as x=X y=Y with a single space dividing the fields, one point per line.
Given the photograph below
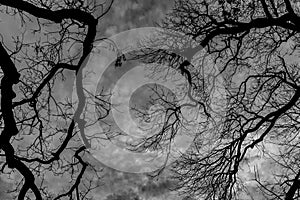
x=254 y=45
x=34 y=138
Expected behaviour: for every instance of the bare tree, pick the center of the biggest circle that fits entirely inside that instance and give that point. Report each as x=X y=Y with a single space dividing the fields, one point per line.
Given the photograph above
x=39 y=128
x=254 y=44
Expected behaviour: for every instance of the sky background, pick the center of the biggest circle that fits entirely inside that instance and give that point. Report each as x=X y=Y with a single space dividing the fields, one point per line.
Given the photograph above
x=125 y=15
x=115 y=185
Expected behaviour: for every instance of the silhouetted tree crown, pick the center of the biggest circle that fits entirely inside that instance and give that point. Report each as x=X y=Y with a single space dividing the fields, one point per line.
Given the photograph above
x=253 y=144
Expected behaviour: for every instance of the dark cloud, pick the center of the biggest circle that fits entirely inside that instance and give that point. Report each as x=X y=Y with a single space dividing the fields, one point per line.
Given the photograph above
x=124 y=195
x=129 y=14
x=154 y=188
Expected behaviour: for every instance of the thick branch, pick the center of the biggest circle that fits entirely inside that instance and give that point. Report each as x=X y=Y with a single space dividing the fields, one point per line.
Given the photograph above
x=265 y=7
x=11 y=77
x=295 y=186
x=55 y=16
x=289 y=7
x=241 y=27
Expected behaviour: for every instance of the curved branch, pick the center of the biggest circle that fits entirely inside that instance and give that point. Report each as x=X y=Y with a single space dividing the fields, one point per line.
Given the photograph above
x=11 y=77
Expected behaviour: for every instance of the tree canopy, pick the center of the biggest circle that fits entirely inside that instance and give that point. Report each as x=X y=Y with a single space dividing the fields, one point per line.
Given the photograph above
x=252 y=144
x=239 y=59
x=37 y=125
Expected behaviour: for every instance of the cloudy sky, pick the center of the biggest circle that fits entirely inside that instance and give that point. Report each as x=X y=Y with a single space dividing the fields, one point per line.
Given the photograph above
x=126 y=15
x=117 y=185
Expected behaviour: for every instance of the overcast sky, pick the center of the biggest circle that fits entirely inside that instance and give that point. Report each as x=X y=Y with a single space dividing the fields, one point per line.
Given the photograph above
x=125 y=15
